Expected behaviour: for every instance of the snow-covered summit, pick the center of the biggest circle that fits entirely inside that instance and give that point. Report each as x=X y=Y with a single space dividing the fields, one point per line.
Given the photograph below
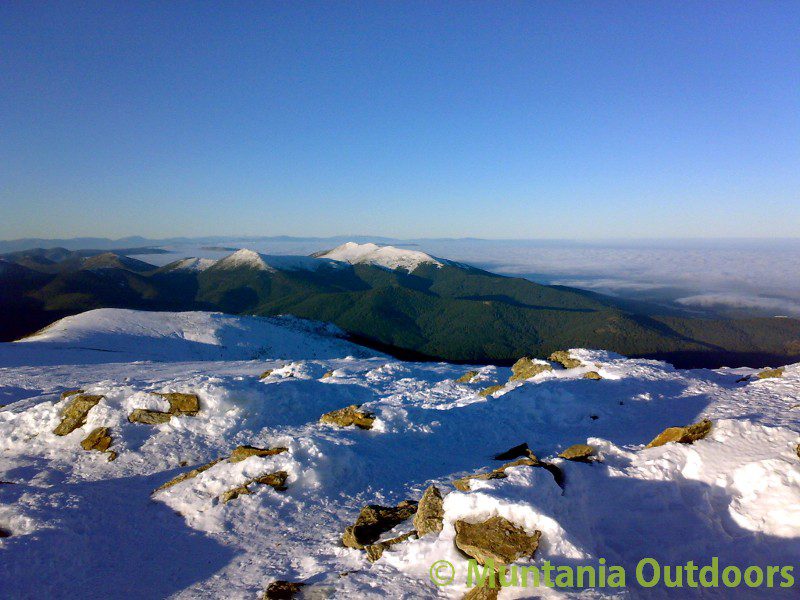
x=193 y=264
x=262 y=262
x=388 y=257
x=116 y=335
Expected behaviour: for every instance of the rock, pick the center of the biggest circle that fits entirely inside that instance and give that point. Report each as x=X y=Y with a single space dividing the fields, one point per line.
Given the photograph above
x=563 y=358
x=525 y=368
x=373 y=520
x=277 y=480
x=592 y=375
x=242 y=452
x=182 y=404
x=490 y=390
x=149 y=417
x=770 y=373
x=75 y=413
x=350 y=415
x=430 y=512
x=282 y=590
x=578 y=452
x=266 y=374
x=4 y=533
x=229 y=495
x=797 y=450
x=99 y=440
x=497 y=539
x=66 y=394
x=515 y=452
x=682 y=435
x=485 y=592
x=463 y=484
x=743 y=379
x=327 y=375
x=375 y=551
x=188 y=475
x=467 y=377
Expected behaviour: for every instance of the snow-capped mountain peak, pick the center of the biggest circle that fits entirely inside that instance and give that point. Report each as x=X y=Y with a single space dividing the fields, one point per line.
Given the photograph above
x=244 y=258
x=194 y=264
x=388 y=257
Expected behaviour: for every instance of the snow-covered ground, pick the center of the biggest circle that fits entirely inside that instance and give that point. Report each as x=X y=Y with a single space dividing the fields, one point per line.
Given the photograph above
x=80 y=525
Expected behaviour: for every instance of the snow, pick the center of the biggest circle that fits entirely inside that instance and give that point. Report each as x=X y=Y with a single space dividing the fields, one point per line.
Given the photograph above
x=79 y=522
x=194 y=264
x=261 y=262
x=388 y=257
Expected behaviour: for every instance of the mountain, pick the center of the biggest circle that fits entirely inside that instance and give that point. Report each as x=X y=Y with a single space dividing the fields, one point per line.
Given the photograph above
x=398 y=300
x=252 y=487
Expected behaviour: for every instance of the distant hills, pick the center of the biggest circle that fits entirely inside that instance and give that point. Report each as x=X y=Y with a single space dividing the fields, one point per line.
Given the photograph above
x=398 y=300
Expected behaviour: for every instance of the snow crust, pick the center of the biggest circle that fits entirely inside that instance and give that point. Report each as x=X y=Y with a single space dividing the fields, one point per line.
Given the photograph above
x=79 y=522
x=388 y=257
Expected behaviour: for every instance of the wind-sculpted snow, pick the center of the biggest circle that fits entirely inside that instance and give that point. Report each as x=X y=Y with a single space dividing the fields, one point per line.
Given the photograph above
x=79 y=522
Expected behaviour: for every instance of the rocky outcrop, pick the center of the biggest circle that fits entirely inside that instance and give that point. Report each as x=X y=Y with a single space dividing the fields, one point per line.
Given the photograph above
x=592 y=375
x=563 y=358
x=350 y=415
x=75 y=412
x=467 y=377
x=525 y=368
x=375 y=551
x=149 y=417
x=181 y=404
x=100 y=440
x=578 y=452
x=283 y=590
x=682 y=435
x=430 y=512
x=327 y=375
x=490 y=390
x=67 y=393
x=242 y=452
x=266 y=374
x=276 y=480
x=373 y=520
x=515 y=452
x=496 y=539
x=188 y=475
x=770 y=373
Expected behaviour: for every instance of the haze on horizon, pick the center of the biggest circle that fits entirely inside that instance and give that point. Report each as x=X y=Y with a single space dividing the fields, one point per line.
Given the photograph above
x=405 y=120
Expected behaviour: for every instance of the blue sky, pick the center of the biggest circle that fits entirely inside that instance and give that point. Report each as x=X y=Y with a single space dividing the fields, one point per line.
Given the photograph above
x=404 y=119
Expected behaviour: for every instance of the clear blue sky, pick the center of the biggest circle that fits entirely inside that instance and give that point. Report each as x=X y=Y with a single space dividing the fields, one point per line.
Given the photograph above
x=493 y=119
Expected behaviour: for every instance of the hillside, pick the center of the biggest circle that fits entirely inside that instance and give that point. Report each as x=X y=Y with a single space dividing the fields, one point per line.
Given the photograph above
x=251 y=488
x=401 y=301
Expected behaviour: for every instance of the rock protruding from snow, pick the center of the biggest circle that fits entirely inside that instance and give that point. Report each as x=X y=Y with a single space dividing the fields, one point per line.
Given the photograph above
x=187 y=475
x=525 y=368
x=181 y=404
x=100 y=440
x=240 y=453
x=75 y=413
x=463 y=484
x=350 y=415
x=276 y=480
x=496 y=539
x=517 y=451
x=563 y=358
x=488 y=391
x=375 y=551
x=682 y=435
x=467 y=377
x=283 y=590
x=387 y=257
x=146 y=416
x=770 y=373
x=578 y=452
x=430 y=512
x=592 y=375
x=373 y=520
